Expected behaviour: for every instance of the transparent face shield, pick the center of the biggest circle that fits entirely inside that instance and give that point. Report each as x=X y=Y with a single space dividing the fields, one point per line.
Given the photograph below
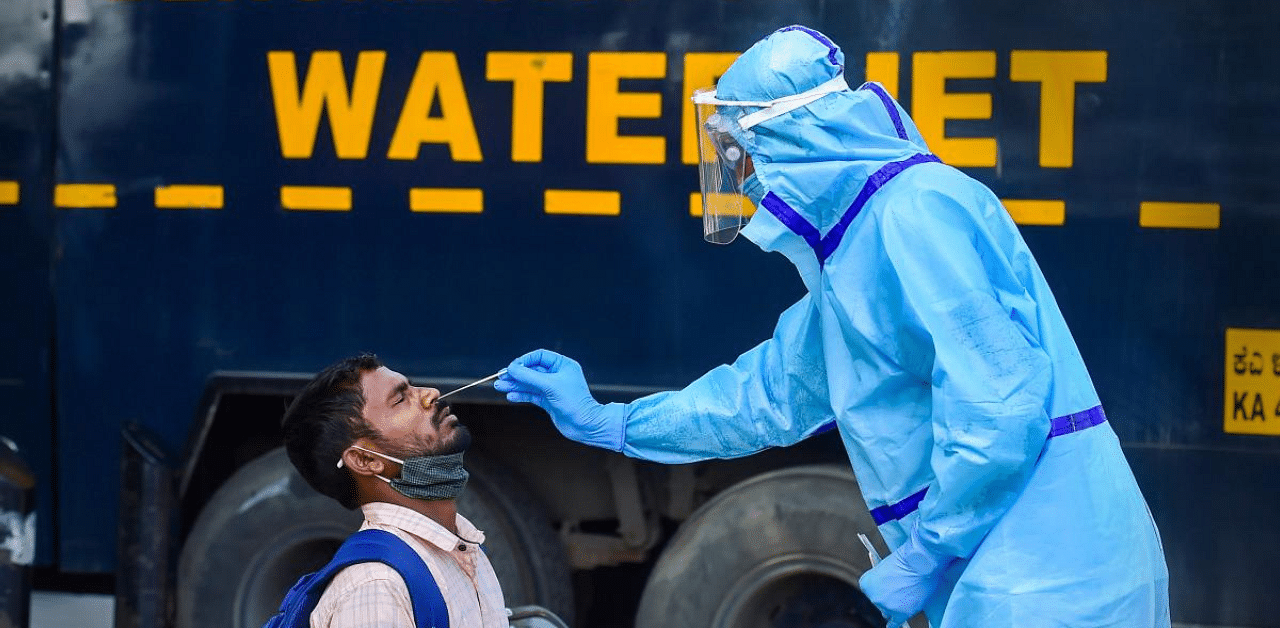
x=722 y=165
x=722 y=161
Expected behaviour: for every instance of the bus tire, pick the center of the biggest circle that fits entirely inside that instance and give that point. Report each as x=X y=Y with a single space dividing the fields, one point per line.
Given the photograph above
x=265 y=527
x=778 y=549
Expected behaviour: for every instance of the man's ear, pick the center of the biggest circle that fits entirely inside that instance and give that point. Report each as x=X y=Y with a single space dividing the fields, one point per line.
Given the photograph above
x=362 y=463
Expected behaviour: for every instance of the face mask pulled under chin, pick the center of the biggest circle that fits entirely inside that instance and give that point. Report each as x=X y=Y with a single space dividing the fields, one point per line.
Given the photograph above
x=427 y=477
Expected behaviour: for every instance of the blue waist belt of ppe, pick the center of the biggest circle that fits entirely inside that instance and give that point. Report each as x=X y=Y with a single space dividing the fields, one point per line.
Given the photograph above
x=1057 y=427
x=366 y=546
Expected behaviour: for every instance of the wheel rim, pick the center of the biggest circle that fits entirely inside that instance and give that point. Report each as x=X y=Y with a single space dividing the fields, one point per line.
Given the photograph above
x=798 y=591
x=273 y=571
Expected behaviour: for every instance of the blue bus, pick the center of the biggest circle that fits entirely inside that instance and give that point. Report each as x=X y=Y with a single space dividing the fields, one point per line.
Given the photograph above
x=203 y=202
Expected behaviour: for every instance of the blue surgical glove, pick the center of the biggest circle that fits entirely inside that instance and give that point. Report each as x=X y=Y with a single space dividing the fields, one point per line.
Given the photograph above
x=902 y=583
x=555 y=383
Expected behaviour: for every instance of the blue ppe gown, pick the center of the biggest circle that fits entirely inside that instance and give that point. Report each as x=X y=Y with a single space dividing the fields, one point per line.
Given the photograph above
x=929 y=336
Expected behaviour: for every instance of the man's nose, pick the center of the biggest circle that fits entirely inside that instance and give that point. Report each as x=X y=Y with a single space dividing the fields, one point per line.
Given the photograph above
x=428 y=397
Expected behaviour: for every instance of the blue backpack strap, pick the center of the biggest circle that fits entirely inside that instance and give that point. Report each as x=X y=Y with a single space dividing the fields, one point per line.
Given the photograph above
x=429 y=610
x=370 y=545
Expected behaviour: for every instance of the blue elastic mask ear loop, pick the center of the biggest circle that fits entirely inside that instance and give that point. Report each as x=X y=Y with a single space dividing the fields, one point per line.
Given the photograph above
x=753 y=189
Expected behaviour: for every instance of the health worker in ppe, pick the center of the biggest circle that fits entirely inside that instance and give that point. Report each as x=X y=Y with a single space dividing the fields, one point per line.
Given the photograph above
x=928 y=336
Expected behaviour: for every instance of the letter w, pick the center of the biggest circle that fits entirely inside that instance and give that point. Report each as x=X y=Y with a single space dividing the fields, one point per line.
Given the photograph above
x=325 y=86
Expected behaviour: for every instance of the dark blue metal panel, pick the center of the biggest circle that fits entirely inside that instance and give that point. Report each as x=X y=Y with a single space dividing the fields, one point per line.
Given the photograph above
x=150 y=302
x=26 y=157
x=1217 y=516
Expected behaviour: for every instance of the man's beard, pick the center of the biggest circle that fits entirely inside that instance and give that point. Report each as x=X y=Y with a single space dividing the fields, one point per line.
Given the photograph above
x=414 y=446
x=460 y=442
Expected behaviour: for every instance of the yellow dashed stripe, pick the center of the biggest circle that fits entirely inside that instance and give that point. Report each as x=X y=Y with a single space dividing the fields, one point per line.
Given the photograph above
x=1180 y=215
x=583 y=202
x=189 y=197
x=84 y=196
x=315 y=198
x=447 y=200
x=1027 y=212
x=8 y=192
x=695 y=203
x=1152 y=214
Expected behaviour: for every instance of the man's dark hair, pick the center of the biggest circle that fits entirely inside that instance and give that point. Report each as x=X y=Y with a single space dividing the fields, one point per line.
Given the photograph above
x=324 y=420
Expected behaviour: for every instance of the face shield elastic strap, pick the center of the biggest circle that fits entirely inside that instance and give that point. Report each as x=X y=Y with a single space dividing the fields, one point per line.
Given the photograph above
x=774 y=108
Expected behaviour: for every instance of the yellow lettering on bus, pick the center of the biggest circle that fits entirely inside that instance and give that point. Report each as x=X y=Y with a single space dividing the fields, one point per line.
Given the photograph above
x=324 y=88
x=932 y=105
x=528 y=73
x=701 y=69
x=1058 y=72
x=882 y=67
x=437 y=76
x=606 y=104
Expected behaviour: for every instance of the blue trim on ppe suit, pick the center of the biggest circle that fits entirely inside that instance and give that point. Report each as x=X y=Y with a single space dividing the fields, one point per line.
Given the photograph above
x=1060 y=426
x=930 y=337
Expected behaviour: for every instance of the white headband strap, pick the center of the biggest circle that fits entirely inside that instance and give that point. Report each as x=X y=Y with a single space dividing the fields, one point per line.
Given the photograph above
x=791 y=103
x=774 y=108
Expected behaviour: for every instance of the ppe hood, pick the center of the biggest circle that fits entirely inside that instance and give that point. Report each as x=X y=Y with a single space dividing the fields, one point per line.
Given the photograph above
x=816 y=159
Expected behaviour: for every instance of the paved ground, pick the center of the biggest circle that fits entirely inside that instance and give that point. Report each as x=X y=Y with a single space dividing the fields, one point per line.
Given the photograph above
x=51 y=609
